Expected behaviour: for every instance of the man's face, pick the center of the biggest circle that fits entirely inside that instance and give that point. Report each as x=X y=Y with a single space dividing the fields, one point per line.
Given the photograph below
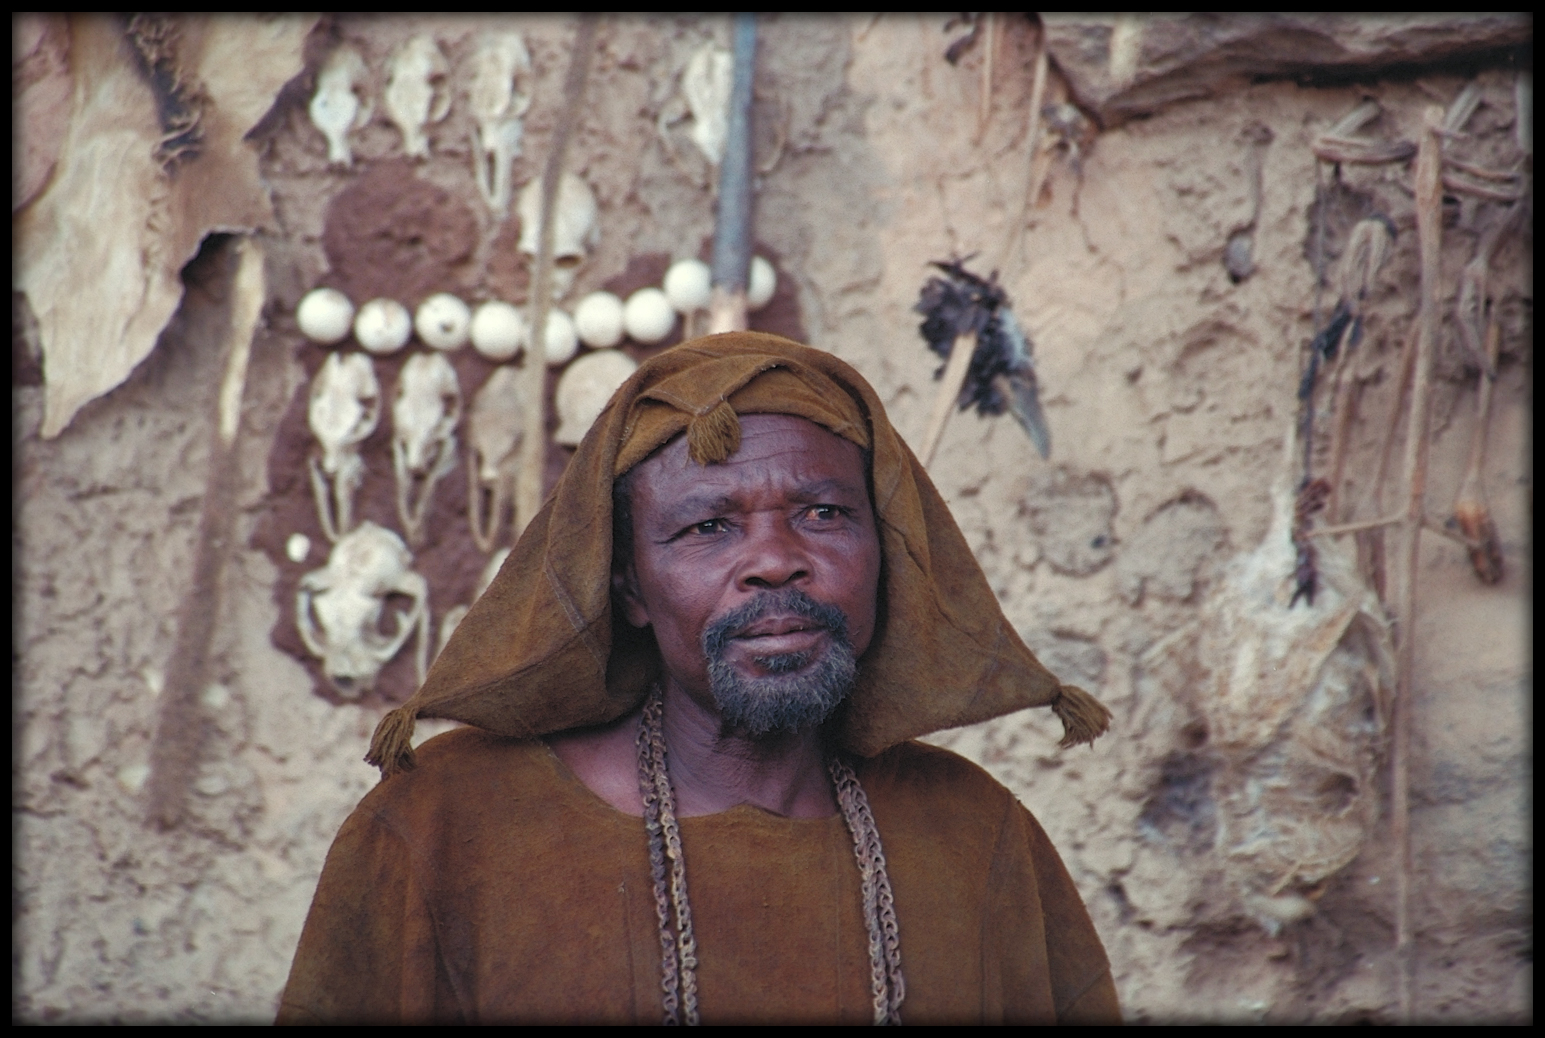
x=759 y=575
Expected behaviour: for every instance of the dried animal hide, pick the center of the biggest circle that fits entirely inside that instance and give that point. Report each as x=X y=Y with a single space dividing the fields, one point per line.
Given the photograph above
x=40 y=99
x=150 y=158
x=1294 y=702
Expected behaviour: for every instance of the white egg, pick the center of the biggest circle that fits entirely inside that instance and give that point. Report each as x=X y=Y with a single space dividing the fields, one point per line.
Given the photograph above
x=764 y=282
x=688 y=285
x=298 y=547
x=443 y=321
x=648 y=316
x=325 y=316
x=561 y=340
x=584 y=390
x=598 y=319
x=383 y=326
x=498 y=331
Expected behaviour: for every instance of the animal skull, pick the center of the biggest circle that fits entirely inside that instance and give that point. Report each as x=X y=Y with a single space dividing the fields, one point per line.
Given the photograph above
x=575 y=229
x=500 y=68
x=415 y=76
x=338 y=608
x=707 y=82
x=336 y=108
x=585 y=389
x=424 y=417
x=494 y=430
x=345 y=407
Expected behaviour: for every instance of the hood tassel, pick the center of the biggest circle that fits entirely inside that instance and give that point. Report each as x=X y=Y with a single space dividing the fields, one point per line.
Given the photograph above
x=1084 y=718
x=714 y=436
x=391 y=748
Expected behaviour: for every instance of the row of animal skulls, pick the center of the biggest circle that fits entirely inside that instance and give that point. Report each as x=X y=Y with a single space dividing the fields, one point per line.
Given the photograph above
x=497 y=86
x=345 y=409
x=498 y=330
x=339 y=608
x=496 y=83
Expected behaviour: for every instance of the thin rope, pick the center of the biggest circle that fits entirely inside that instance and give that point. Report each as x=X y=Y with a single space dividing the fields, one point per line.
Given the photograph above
x=678 y=951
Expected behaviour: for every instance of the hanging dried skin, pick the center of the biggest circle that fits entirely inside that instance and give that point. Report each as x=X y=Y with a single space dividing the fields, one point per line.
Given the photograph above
x=1294 y=703
x=129 y=234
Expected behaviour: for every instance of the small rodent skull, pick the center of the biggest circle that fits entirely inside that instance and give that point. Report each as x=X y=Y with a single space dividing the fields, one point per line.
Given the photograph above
x=416 y=94
x=424 y=417
x=345 y=407
x=336 y=107
x=576 y=229
x=497 y=94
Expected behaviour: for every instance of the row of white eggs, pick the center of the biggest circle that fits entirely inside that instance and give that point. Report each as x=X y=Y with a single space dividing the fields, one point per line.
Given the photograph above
x=498 y=330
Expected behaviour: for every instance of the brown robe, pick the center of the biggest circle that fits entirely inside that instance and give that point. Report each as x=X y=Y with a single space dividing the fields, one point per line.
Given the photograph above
x=489 y=885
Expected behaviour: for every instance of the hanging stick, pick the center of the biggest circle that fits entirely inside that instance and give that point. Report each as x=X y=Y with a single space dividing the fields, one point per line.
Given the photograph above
x=1032 y=139
x=1037 y=99
x=1429 y=228
x=180 y=726
x=533 y=447
x=984 y=100
x=949 y=392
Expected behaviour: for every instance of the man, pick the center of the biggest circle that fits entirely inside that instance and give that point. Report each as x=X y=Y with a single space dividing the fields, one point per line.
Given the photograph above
x=689 y=791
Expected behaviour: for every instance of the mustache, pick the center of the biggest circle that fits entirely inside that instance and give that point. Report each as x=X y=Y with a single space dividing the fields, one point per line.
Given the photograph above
x=789 y=601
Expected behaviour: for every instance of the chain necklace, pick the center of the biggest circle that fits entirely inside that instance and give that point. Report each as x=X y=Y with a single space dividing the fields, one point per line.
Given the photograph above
x=678 y=946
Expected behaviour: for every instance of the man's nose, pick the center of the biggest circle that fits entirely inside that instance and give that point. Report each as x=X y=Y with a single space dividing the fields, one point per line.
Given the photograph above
x=774 y=557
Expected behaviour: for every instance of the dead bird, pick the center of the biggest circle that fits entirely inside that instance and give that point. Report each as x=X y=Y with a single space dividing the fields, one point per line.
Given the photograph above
x=1002 y=372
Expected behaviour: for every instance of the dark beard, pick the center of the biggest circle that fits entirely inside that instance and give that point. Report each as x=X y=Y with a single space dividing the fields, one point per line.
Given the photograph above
x=782 y=701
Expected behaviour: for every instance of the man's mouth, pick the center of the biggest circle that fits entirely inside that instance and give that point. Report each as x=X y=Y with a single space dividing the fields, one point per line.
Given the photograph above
x=775 y=624
x=772 y=626
x=777 y=635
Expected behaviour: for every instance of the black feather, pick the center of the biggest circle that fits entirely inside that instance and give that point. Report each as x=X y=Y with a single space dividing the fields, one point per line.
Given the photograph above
x=1001 y=376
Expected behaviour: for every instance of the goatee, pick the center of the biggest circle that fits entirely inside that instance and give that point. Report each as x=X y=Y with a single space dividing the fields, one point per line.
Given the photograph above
x=801 y=690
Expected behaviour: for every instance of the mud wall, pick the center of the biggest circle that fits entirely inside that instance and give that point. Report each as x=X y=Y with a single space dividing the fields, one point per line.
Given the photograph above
x=1169 y=388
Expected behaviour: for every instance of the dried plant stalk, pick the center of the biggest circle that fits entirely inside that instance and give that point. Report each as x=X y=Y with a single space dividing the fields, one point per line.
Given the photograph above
x=949 y=392
x=533 y=448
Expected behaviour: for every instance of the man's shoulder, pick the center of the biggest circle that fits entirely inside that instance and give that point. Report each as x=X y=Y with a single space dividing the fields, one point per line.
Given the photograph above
x=920 y=762
x=457 y=766
x=933 y=780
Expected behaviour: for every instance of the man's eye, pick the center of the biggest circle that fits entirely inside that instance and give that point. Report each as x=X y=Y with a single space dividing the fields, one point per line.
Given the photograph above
x=707 y=526
x=823 y=512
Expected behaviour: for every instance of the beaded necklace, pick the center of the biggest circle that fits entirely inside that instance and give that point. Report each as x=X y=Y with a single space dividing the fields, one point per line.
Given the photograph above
x=678 y=946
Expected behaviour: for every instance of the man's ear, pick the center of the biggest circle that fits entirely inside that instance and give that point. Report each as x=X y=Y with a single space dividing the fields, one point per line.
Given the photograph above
x=625 y=590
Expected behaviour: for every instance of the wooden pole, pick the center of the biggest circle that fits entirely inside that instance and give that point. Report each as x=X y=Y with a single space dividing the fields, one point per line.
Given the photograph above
x=533 y=443
x=732 y=224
